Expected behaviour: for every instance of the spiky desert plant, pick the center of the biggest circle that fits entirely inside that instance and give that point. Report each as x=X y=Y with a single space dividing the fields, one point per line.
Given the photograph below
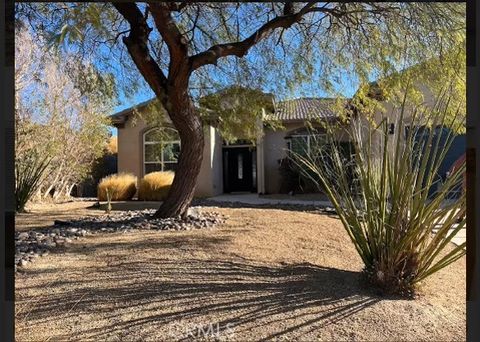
x=121 y=187
x=29 y=170
x=109 y=200
x=383 y=194
x=155 y=186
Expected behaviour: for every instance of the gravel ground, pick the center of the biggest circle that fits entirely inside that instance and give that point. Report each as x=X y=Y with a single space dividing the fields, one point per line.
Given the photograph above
x=264 y=274
x=29 y=245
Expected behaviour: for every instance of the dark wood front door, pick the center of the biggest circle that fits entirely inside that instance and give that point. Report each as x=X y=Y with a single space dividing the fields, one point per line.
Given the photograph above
x=238 y=169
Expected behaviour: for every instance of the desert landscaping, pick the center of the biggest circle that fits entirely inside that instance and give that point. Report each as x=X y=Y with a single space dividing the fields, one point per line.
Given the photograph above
x=262 y=274
x=238 y=171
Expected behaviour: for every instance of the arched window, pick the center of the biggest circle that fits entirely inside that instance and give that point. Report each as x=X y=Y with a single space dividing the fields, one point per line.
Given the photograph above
x=161 y=147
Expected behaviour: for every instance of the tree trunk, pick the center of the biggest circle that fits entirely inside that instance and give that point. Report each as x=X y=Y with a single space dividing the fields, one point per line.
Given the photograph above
x=69 y=190
x=59 y=188
x=173 y=94
x=187 y=121
x=47 y=192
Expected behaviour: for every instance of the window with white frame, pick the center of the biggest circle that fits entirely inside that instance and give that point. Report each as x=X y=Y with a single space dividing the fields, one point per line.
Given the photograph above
x=303 y=144
x=161 y=147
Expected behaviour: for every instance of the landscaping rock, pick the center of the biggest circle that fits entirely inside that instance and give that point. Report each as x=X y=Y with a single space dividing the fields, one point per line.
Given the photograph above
x=329 y=210
x=23 y=236
x=31 y=245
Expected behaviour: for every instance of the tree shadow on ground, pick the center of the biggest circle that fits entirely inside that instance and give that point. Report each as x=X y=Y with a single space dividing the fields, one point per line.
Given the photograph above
x=205 y=202
x=279 y=206
x=150 y=294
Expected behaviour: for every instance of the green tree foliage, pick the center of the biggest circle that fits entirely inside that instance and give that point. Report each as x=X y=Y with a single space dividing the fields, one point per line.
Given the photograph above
x=231 y=109
x=422 y=82
x=329 y=46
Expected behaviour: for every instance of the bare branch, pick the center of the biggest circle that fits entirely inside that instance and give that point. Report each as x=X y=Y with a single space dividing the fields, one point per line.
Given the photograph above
x=137 y=45
x=241 y=48
x=176 y=42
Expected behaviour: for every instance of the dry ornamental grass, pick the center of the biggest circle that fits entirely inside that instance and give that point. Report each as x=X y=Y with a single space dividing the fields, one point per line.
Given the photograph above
x=121 y=187
x=155 y=186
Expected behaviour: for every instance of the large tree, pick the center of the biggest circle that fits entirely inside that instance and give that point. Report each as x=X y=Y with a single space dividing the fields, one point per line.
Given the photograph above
x=183 y=48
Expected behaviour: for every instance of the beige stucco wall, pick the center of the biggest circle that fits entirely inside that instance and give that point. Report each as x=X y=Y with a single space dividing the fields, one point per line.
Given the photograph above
x=130 y=152
x=130 y=156
x=210 y=179
x=391 y=113
x=274 y=149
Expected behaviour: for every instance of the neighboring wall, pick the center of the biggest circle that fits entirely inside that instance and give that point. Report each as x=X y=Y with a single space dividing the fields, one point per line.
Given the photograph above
x=130 y=156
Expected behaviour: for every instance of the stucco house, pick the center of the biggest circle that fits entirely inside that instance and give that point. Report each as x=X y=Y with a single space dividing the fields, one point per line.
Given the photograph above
x=227 y=167
x=240 y=166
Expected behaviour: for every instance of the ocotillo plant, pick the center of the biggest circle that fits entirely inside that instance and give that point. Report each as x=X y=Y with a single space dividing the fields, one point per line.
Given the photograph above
x=383 y=194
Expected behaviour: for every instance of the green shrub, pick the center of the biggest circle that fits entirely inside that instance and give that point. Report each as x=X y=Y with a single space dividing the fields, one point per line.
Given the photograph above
x=398 y=226
x=121 y=187
x=155 y=186
x=29 y=170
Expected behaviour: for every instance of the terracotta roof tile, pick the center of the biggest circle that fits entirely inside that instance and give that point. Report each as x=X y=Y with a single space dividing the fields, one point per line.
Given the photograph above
x=304 y=109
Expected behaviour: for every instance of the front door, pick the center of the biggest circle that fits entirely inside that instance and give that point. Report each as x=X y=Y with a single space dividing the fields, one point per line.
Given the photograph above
x=238 y=169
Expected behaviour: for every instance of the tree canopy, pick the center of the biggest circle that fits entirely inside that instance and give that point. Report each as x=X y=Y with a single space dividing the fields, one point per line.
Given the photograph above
x=331 y=46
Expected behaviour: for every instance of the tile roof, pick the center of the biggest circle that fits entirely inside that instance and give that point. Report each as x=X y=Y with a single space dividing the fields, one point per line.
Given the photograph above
x=304 y=109
x=122 y=116
x=291 y=110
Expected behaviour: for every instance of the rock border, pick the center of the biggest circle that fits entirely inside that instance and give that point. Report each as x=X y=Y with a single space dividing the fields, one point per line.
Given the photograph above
x=29 y=245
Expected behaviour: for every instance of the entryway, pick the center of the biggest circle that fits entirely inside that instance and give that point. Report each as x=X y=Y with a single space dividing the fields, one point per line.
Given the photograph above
x=239 y=168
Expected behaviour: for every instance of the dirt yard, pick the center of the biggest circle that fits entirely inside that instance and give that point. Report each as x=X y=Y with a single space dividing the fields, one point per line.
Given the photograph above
x=265 y=275
x=43 y=215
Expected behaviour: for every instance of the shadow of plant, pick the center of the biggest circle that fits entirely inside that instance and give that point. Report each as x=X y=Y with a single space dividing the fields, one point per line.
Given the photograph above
x=147 y=295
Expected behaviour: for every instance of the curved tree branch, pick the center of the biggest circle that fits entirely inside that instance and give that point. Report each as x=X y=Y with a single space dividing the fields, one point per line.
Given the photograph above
x=176 y=42
x=241 y=48
x=137 y=45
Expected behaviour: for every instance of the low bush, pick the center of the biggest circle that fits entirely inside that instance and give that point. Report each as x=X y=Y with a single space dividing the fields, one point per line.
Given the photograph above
x=155 y=186
x=122 y=187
